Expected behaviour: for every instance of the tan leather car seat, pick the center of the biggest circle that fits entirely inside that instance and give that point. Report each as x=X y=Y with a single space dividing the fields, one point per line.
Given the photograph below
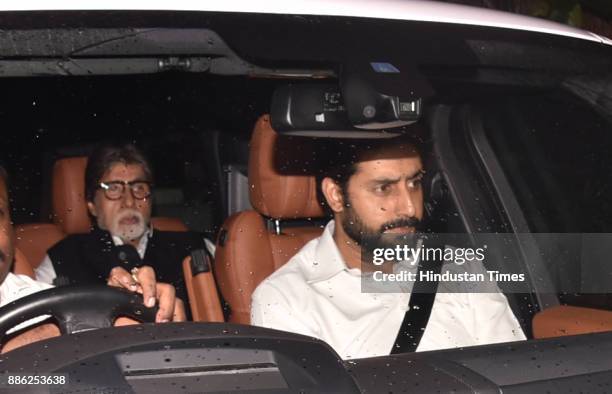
x=21 y=265
x=202 y=288
x=34 y=239
x=566 y=320
x=253 y=244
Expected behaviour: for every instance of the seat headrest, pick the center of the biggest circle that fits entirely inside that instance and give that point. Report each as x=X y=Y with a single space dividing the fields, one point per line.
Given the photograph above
x=69 y=204
x=276 y=189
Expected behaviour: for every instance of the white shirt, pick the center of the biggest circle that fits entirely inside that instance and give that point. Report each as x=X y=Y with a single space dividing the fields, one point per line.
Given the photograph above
x=316 y=294
x=15 y=287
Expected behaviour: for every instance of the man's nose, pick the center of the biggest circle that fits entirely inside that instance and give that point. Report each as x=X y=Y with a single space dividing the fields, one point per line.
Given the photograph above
x=127 y=198
x=405 y=204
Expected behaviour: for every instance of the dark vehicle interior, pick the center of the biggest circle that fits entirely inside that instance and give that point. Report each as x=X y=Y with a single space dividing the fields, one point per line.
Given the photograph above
x=207 y=104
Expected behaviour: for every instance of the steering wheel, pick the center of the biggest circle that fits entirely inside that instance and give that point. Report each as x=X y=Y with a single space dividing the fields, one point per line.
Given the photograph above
x=77 y=308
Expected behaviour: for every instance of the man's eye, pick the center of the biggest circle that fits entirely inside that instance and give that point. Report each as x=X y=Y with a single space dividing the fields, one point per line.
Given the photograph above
x=415 y=184
x=140 y=187
x=382 y=189
x=114 y=187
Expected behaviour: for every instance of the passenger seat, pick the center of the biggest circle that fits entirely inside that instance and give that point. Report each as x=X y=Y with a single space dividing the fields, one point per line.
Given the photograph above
x=34 y=239
x=21 y=265
x=253 y=244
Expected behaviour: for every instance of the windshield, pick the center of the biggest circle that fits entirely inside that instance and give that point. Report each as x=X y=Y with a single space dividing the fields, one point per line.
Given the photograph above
x=307 y=227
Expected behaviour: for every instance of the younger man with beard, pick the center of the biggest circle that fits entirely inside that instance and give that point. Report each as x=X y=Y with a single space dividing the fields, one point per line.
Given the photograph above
x=318 y=292
x=118 y=188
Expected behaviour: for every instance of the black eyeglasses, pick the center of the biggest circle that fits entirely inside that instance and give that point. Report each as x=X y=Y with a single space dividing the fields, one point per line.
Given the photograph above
x=114 y=190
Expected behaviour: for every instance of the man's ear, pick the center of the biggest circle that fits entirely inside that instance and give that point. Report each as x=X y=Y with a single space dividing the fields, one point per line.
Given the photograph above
x=92 y=208
x=333 y=194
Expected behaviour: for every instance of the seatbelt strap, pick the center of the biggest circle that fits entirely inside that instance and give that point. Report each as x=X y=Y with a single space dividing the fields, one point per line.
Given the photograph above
x=416 y=318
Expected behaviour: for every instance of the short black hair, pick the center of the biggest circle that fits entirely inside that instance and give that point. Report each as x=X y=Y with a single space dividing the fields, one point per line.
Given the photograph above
x=343 y=155
x=348 y=153
x=104 y=157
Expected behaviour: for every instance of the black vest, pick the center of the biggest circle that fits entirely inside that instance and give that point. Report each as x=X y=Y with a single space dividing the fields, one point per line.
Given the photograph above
x=88 y=258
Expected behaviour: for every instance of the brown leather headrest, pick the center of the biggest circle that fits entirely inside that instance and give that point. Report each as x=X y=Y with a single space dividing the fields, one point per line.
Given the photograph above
x=276 y=189
x=168 y=224
x=69 y=205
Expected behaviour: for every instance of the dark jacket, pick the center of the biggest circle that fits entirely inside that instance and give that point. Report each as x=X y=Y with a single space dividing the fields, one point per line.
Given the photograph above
x=88 y=258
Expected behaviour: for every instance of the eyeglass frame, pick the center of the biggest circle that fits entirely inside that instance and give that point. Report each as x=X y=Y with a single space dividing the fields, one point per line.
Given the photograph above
x=104 y=186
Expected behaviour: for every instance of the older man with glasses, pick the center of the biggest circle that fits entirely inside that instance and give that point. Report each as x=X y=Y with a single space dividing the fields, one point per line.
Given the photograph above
x=122 y=243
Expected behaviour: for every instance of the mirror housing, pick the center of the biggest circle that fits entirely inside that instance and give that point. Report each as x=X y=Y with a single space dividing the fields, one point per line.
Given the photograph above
x=373 y=100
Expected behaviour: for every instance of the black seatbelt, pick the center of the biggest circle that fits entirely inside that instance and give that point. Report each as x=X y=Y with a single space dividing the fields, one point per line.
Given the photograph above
x=420 y=305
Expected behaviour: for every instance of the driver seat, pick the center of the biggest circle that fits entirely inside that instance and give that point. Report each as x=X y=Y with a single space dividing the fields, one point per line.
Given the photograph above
x=253 y=244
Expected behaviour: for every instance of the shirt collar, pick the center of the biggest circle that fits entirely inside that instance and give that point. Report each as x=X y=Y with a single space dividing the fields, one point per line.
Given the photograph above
x=328 y=261
x=142 y=243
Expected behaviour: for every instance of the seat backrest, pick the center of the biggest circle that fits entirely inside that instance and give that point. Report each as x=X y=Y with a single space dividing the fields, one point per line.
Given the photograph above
x=34 y=239
x=563 y=320
x=201 y=288
x=21 y=265
x=247 y=249
x=69 y=203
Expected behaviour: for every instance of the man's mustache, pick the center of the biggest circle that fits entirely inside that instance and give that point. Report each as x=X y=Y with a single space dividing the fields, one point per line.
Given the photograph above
x=400 y=222
x=127 y=213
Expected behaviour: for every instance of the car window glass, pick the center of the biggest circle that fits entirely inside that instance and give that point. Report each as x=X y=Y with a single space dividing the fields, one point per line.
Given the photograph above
x=555 y=151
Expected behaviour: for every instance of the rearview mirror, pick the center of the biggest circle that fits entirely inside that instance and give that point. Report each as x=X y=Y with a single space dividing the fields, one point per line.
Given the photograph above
x=316 y=110
x=380 y=96
x=373 y=100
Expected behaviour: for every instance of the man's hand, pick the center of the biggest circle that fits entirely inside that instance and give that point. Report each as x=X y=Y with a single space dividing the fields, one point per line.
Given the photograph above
x=170 y=307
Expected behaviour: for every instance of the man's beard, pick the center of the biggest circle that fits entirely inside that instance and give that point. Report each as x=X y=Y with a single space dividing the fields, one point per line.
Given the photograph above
x=128 y=232
x=370 y=239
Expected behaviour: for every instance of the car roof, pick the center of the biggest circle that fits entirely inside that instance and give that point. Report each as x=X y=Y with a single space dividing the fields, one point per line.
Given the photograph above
x=413 y=10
